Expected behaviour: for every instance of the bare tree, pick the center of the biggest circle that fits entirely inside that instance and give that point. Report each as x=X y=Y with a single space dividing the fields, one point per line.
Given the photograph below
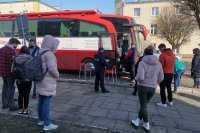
x=176 y=29
x=190 y=8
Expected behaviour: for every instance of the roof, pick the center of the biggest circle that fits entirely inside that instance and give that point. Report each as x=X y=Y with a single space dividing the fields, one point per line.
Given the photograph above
x=145 y=2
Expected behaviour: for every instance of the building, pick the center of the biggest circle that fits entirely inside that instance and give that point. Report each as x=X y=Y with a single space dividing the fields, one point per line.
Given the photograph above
x=144 y=12
x=25 y=6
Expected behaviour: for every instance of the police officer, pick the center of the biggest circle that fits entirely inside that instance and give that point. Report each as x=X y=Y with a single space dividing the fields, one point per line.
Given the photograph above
x=100 y=64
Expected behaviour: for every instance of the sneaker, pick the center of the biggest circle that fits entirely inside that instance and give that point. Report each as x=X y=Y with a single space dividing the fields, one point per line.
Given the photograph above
x=135 y=123
x=161 y=105
x=14 y=108
x=50 y=127
x=146 y=126
x=171 y=103
x=40 y=123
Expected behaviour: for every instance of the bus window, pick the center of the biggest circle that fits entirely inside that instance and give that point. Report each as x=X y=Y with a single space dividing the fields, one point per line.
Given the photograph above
x=33 y=28
x=52 y=27
x=6 y=28
x=69 y=28
x=88 y=29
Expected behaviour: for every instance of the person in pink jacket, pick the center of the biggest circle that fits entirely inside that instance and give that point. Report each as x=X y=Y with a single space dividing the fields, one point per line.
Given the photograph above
x=149 y=74
x=47 y=87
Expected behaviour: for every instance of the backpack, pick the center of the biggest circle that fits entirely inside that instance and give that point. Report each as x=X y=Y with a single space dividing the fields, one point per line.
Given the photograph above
x=34 y=70
x=18 y=70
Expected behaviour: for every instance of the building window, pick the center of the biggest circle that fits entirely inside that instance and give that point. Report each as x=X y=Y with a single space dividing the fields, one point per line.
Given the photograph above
x=136 y=12
x=154 y=29
x=155 y=11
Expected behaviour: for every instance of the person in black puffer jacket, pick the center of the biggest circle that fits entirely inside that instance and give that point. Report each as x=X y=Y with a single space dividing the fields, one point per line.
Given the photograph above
x=195 y=67
x=100 y=64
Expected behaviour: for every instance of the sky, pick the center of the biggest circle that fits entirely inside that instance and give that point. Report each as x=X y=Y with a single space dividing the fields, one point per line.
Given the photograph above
x=105 y=6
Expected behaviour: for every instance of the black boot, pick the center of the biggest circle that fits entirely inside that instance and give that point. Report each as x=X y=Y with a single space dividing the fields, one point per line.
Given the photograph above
x=105 y=91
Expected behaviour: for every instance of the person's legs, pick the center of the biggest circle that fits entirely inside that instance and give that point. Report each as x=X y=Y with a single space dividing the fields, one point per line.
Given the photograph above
x=132 y=68
x=162 y=91
x=5 y=94
x=96 y=82
x=135 y=88
x=177 y=77
x=27 y=89
x=11 y=91
x=46 y=110
x=40 y=107
x=169 y=88
x=20 y=96
x=101 y=78
x=143 y=102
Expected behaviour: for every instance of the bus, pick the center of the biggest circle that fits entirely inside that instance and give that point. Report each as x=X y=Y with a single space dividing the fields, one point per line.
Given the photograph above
x=80 y=33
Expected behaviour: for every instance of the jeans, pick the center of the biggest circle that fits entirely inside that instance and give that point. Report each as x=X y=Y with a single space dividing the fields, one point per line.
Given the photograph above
x=166 y=83
x=145 y=94
x=44 y=105
x=24 y=88
x=196 y=81
x=8 y=91
x=177 y=78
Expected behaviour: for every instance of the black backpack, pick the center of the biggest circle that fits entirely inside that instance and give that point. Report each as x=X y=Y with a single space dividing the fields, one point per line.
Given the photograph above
x=18 y=70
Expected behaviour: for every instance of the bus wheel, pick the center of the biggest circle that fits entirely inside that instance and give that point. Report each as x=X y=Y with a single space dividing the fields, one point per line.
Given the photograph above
x=89 y=64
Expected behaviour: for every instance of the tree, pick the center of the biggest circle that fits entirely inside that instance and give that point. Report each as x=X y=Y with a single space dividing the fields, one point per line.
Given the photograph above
x=176 y=29
x=190 y=8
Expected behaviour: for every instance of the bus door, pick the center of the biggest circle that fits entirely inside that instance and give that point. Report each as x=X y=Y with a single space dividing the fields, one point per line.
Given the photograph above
x=108 y=42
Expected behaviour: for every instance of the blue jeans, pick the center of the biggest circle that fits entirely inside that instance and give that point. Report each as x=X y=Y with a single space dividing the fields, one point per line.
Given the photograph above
x=177 y=78
x=196 y=81
x=44 y=105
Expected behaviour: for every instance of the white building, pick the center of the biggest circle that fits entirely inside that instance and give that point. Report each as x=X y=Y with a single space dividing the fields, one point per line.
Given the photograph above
x=144 y=12
x=24 y=6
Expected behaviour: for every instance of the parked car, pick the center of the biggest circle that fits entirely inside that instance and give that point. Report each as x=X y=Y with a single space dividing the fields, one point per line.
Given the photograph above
x=157 y=53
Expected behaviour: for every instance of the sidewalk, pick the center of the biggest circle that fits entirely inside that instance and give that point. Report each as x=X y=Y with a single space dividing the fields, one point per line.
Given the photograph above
x=76 y=102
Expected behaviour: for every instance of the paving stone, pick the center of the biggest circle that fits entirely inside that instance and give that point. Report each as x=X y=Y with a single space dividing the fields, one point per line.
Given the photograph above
x=88 y=102
x=152 y=111
x=109 y=106
x=79 y=110
x=98 y=112
x=83 y=119
x=96 y=104
x=119 y=95
x=173 y=130
x=131 y=102
x=117 y=114
x=190 y=116
x=62 y=107
x=187 y=125
x=103 y=122
x=163 y=122
x=156 y=129
x=128 y=107
x=124 y=126
x=113 y=100
x=76 y=101
x=62 y=116
x=105 y=94
x=168 y=113
x=132 y=116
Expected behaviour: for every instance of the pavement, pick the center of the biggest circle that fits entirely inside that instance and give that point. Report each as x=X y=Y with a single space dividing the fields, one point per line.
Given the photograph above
x=77 y=103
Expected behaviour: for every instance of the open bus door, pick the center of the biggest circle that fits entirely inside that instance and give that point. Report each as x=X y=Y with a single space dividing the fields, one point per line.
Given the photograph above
x=108 y=42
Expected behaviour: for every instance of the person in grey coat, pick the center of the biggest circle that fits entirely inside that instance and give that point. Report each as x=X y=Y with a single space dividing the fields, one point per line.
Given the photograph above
x=149 y=74
x=47 y=87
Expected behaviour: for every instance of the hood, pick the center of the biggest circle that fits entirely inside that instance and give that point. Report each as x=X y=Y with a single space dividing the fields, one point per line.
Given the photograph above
x=168 y=52
x=50 y=43
x=21 y=58
x=98 y=55
x=150 y=59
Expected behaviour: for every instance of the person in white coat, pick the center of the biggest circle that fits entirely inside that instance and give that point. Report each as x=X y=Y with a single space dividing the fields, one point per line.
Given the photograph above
x=47 y=87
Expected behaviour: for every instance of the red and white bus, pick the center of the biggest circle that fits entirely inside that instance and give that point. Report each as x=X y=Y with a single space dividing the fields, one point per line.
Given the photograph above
x=81 y=33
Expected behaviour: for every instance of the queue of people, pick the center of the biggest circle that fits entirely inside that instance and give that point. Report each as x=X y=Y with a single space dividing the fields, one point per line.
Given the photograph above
x=148 y=72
